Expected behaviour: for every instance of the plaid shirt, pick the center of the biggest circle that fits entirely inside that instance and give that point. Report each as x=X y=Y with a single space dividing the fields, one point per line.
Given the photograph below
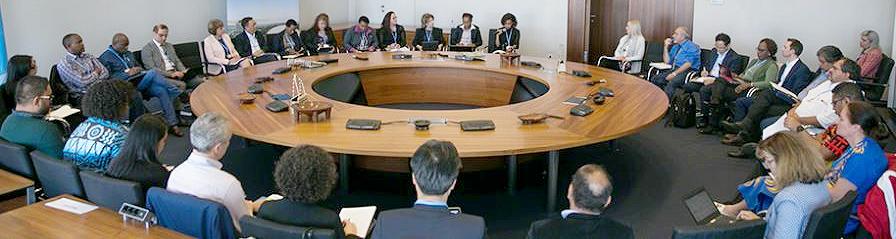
x=79 y=72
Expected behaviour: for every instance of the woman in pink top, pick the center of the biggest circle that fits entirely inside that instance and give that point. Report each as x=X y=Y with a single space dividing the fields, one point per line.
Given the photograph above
x=869 y=59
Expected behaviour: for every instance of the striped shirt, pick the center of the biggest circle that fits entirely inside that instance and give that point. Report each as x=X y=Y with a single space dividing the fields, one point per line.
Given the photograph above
x=79 y=72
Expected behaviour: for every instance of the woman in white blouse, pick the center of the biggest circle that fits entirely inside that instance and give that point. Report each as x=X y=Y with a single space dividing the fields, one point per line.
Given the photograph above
x=630 y=48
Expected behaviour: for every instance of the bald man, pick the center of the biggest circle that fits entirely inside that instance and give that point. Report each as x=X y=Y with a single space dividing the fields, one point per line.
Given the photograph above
x=589 y=194
x=684 y=57
x=122 y=65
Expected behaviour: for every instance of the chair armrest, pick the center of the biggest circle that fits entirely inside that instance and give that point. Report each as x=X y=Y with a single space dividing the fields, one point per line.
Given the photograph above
x=872 y=84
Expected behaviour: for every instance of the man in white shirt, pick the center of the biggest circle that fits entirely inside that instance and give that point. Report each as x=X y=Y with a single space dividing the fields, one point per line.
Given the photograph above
x=466 y=34
x=251 y=43
x=201 y=175
x=816 y=109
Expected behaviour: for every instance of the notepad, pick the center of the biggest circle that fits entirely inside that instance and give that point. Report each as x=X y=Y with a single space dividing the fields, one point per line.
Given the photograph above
x=362 y=217
x=660 y=65
x=71 y=206
x=62 y=112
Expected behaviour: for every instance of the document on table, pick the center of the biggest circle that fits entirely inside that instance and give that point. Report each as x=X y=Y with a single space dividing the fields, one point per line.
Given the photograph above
x=71 y=206
x=362 y=217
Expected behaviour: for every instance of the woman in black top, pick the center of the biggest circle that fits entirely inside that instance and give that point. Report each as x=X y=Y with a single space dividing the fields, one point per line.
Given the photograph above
x=391 y=35
x=507 y=38
x=428 y=34
x=305 y=176
x=319 y=39
x=138 y=159
x=19 y=67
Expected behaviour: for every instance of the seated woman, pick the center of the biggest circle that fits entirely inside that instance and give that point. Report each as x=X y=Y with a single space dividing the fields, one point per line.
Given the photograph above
x=760 y=72
x=19 y=67
x=220 y=50
x=630 y=48
x=138 y=160
x=319 y=39
x=391 y=35
x=428 y=37
x=869 y=59
x=305 y=176
x=98 y=139
x=361 y=37
x=799 y=172
x=507 y=38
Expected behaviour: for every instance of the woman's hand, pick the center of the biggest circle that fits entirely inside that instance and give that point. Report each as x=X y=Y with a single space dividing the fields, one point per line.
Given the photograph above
x=747 y=215
x=349 y=228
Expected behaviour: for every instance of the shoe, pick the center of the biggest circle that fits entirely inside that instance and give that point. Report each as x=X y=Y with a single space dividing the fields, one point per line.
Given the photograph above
x=746 y=151
x=737 y=140
x=729 y=136
x=732 y=127
x=174 y=130
x=707 y=130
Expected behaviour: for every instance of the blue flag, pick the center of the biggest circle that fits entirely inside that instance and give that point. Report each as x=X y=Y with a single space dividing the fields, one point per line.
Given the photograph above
x=3 y=57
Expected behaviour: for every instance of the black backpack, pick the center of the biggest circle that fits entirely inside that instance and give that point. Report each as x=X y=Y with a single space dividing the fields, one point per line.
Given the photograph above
x=683 y=111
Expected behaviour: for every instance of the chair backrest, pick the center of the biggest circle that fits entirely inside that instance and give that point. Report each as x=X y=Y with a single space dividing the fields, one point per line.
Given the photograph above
x=57 y=176
x=737 y=230
x=190 y=215
x=744 y=61
x=263 y=229
x=491 y=40
x=138 y=56
x=342 y=88
x=705 y=55
x=15 y=158
x=110 y=192
x=885 y=69
x=829 y=221
x=61 y=94
x=653 y=52
x=204 y=60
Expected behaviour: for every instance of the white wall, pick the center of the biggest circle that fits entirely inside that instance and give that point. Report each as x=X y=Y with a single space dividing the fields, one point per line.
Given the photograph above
x=36 y=27
x=542 y=22
x=814 y=22
x=338 y=10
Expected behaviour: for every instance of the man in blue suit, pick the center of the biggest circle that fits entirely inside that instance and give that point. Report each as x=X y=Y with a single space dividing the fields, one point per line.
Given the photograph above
x=434 y=169
x=793 y=76
x=722 y=56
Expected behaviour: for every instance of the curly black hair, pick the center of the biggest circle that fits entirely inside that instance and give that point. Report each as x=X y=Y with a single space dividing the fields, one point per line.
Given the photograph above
x=305 y=173
x=107 y=99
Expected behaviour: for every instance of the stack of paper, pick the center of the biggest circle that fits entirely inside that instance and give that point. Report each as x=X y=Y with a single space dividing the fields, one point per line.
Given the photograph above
x=362 y=217
x=71 y=206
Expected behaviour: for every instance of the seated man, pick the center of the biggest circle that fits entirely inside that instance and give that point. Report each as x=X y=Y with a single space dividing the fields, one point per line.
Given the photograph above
x=288 y=41
x=79 y=70
x=26 y=125
x=251 y=44
x=816 y=109
x=723 y=57
x=201 y=175
x=123 y=66
x=684 y=56
x=589 y=194
x=97 y=140
x=160 y=55
x=434 y=169
x=794 y=76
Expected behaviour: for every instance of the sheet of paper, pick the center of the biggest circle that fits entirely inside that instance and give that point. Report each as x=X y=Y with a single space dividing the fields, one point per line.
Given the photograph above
x=785 y=91
x=71 y=206
x=661 y=66
x=362 y=217
x=62 y=112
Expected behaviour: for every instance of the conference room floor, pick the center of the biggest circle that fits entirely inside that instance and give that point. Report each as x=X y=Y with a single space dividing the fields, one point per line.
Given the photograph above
x=652 y=171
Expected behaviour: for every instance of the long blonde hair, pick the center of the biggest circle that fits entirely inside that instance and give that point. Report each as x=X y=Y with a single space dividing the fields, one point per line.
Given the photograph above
x=635 y=26
x=796 y=160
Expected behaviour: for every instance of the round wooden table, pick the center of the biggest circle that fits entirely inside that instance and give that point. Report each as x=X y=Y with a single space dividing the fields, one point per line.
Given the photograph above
x=487 y=84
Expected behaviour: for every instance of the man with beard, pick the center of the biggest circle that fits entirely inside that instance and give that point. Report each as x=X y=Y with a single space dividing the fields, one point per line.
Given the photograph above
x=26 y=125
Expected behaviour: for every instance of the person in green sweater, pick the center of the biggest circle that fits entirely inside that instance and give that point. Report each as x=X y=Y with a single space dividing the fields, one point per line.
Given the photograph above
x=26 y=125
x=759 y=74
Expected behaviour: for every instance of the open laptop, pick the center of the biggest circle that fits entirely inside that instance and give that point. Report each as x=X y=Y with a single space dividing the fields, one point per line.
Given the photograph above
x=703 y=208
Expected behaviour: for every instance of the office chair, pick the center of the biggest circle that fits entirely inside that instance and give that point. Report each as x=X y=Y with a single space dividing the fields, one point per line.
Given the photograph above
x=110 y=192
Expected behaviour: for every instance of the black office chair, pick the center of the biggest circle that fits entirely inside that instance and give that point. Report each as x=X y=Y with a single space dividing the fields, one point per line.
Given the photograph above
x=342 y=88
x=874 y=86
x=491 y=40
x=61 y=92
x=110 y=192
x=829 y=221
x=138 y=56
x=653 y=54
x=527 y=89
x=737 y=230
x=705 y=55
x=630 y=66
x=15 y=159
x=206 y=64
x=190 y=55
x=57 y=176
x=263 y=229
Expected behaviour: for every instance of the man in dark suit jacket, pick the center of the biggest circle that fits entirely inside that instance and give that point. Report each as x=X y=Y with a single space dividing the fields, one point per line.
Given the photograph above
x=721 y=56
x=434 y=168
x=589 y=194
x=251 y=44
x=793 y=76
x=457 y=33
x=288 y=41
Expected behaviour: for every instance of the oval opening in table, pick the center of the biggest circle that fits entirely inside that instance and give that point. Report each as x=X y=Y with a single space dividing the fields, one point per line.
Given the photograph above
x=430 y=88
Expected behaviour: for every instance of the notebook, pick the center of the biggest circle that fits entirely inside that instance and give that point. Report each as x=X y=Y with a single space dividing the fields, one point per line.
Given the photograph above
x=362 y=217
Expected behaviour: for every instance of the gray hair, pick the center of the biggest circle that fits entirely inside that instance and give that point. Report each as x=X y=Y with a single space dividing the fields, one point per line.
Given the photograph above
x=209 y=130
x=872 y=37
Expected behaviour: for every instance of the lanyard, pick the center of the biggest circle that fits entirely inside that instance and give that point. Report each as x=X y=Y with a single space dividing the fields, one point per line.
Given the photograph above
x=509 y=36
x=127 y=63
x=226 y=50
x=395 y=37
x=428 y=35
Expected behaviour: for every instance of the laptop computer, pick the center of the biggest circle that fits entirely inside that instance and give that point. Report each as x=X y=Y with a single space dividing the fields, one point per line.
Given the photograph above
x=703 y=209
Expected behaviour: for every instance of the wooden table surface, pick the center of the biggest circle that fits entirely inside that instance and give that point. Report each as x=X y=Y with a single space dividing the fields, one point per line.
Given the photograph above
x=10 y=182
x=39 y=221
x=637 y=104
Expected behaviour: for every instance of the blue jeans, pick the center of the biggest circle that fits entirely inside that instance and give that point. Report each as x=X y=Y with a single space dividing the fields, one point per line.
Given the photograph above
x=669 y=86
x=768 y=121
x=741 y=105
x=154 y=84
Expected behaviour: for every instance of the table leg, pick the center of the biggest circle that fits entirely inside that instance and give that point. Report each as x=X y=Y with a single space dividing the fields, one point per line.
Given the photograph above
x=344 y=160
x=553 y=167
x=30 y=196
x=511 y=174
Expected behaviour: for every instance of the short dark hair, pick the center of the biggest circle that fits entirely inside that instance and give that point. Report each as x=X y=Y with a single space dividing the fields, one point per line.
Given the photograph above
x=509 y=16
x=582 y=183
x=796 y=45
x=107 y=99
x=364 y=19
x=849 y=90
x=435 y=165
x=829 y=54
x=724 y=38
x=30 y=87
x=291 y=22
x=771 y=45
x=158 y=27
x=69 y=39
x=245 y=21
x=466 y=14
x=852 y=68
x=305 y=173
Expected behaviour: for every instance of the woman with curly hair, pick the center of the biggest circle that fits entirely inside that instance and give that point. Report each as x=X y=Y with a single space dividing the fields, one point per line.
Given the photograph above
x=98 y=139
x=306 y=175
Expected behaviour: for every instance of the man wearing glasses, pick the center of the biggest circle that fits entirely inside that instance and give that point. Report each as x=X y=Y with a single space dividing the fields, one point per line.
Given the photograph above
x=26 y=125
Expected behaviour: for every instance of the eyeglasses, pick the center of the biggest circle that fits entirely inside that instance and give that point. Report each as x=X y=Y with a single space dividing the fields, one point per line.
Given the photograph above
x=46 y=97
x=761 y=50
x=838 y=101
